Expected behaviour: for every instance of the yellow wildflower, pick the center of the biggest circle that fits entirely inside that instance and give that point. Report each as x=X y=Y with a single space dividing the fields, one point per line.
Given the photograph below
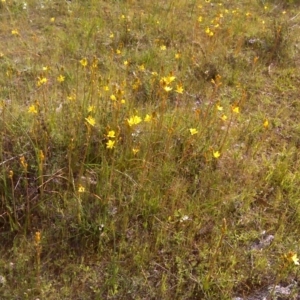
x=113 y=97
x=193 y=131
x=110 y=144
x=169 y=79
x=42 y=81
x=167 y=88
x=61 y=78
x=15 y=32
x=134 y=120
x=81 y=189
x=266 y=123
x=216 y=154
x=91 y=108
x=219 y=107
x=148 y=118
x=236 y=109
x=135 y=150
x=32 y=109
x=292 y=257
x=91 y=120
x=71 y=97
x=83 y=62
x=224 y=117
x=179 y=89
x=111 y=134
x=163 y=48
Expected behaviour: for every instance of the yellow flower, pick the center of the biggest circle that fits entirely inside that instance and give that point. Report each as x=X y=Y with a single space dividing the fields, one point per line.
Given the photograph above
x=177 y=55
x=71 y=97
x=266 y=123
x=118 y=51
x=81 y=189
x=193 y=131
x=134 y=120
x=91 y=120
x=142 y=68
x=52 y=20
x=61 y=78
x=200 y=19
x=224 y=117
x=126 y=63
x=111 y=35
x=106 y=88
x=167 y=88
x=110 y=144
x=123 y=101
x=292 y=257
x=83 y=62
x=32 y=109
x=91 y=108
x=135 y=150
x=148 y=118
x=179 y=89
x=216 y=154
x=167 y=80
x=42 y=81
x=236 y=109
x=113 y=97
x=111 y=134
x=15 y=32
x=219 y=107
x=163 y=48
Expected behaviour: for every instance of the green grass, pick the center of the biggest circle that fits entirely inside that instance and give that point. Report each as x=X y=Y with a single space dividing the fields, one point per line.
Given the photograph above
x=199 y=102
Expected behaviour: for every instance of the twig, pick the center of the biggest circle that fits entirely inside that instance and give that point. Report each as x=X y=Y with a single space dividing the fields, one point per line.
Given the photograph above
x=12 y=158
